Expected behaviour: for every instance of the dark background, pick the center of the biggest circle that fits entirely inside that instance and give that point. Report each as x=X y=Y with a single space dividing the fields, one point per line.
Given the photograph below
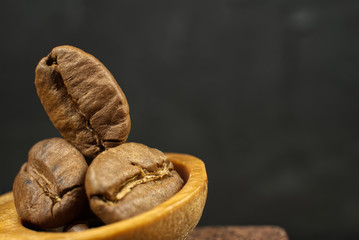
x=265 y=92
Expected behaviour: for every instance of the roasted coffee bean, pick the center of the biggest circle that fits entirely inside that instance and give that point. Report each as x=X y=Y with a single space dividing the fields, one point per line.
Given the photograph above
x=83 y=100
x=48 y=190
x=77 y=227
x=83 y=224
x=129 y=179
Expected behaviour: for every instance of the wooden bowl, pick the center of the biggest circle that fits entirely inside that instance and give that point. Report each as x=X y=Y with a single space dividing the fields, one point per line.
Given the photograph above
x=172 y=219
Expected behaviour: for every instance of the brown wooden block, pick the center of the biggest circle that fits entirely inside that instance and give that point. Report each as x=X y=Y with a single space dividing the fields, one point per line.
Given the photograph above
x=239 y=233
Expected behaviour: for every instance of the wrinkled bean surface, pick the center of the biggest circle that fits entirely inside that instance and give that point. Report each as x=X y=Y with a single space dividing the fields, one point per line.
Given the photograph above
x=48 y=190
x=83 y=100
x=127 y=180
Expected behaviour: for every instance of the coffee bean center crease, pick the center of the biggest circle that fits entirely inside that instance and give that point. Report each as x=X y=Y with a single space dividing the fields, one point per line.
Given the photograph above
x=143 y=177
x=61 y=85
x=48 y=188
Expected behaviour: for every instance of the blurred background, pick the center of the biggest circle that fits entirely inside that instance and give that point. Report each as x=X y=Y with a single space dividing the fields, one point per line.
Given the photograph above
x=264 y=92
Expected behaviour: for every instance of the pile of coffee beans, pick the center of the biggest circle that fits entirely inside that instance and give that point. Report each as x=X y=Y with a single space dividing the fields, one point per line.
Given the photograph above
x=91 y=176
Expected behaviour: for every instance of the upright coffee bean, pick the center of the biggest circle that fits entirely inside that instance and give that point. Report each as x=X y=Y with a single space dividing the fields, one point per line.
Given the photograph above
x=48 y=190
x=129 y=179
x=83 y=100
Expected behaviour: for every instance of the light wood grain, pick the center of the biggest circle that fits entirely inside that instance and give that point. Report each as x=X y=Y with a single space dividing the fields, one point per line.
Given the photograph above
x=173 y=219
